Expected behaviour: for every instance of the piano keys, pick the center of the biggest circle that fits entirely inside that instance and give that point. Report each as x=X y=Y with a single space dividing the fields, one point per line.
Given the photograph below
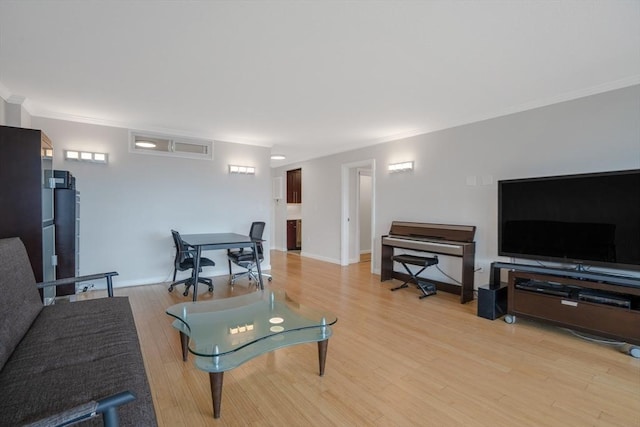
x=442 y=239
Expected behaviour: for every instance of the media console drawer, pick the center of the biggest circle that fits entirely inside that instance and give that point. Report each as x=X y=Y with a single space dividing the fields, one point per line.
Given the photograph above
x=598 y=318
x=595 y=307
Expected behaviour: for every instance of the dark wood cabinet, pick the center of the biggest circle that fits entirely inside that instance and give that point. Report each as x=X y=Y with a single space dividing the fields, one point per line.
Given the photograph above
x=26 y=196
x=598 y=306
x=294 y=186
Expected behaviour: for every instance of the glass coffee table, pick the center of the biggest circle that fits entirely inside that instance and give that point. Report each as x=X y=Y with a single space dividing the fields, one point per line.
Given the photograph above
x=225 y=333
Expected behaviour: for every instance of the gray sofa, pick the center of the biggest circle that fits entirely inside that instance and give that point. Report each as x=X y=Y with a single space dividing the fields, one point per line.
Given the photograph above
x=67 y=361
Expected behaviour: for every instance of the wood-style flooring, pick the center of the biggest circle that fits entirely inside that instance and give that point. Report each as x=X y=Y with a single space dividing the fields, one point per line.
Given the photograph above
x=393 y=360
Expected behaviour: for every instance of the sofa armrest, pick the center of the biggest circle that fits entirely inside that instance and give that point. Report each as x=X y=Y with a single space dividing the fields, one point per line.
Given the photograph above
x=69 y=280
x=108 y=407
x=68 y=417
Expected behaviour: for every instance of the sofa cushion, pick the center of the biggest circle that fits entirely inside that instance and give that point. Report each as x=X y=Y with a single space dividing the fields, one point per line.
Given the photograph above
x=20 y=302
x=77 y=352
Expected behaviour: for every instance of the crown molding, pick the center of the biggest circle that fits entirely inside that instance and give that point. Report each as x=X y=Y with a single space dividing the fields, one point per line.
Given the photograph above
x=36 y=111
x=569 y=96
x=538 y=103
x=16 y=99
x=542 y=102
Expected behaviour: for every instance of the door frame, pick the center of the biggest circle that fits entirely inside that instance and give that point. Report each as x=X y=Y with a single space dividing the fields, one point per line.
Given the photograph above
x=346 y=196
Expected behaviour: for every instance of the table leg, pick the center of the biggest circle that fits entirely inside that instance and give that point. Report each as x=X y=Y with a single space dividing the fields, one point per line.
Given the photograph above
x=184 y=341
x=216 y=391
x=322 y=354
x=196 y=272
x=255 y=253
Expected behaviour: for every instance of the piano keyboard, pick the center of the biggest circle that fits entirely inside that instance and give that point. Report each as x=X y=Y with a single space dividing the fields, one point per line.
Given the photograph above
x=455 y=249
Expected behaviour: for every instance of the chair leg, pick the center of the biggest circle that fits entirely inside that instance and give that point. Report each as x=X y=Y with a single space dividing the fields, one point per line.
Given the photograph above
x=250 y=271
x=189 y=282
x=187 y=285
x=179 y=282
x=236 y=276
x=206 y=281
x=268 y=276
x=254 y=276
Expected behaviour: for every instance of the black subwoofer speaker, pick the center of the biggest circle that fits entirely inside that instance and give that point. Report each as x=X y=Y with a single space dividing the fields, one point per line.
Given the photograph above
x=492 y=302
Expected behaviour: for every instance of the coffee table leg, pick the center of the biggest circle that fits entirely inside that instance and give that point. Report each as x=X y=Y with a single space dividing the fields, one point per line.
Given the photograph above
x=184 y=341
x=322 y=354
x=216 y=391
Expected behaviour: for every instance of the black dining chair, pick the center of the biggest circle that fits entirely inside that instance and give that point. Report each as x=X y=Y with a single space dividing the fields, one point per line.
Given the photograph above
x=184 y=261
x=244 y=257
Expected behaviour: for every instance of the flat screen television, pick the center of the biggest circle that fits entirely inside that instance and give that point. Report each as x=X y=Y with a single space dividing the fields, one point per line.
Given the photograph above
x=588 y=219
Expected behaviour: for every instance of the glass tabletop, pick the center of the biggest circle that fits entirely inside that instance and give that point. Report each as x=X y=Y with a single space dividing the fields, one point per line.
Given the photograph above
x=227 y=332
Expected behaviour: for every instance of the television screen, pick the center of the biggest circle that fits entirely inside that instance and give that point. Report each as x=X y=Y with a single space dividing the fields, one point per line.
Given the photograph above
x=591 y=219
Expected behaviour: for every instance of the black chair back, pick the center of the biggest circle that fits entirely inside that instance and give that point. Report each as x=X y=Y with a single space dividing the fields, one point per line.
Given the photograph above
x=256 y=231
x=181 y=253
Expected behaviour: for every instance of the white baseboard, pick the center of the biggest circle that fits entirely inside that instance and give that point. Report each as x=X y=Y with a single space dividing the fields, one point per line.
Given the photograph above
x=320 y=258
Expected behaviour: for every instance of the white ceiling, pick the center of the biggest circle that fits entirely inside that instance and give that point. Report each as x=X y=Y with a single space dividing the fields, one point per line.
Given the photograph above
x=310 y=78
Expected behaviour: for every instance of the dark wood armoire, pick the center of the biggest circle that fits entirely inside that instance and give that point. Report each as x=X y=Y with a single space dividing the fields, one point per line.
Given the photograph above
x=26 y=196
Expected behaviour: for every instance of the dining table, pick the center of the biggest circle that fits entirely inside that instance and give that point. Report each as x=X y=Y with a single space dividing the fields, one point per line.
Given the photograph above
x=217 y=241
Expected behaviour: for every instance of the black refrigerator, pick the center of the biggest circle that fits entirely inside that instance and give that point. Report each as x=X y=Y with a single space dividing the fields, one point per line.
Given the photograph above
x=66 y=202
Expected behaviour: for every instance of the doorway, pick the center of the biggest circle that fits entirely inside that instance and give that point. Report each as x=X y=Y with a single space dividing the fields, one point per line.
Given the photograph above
x=294 y=211
x=358 y=211
x=363 y=240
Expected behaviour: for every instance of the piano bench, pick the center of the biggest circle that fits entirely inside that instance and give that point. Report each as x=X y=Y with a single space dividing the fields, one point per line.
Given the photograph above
x=415 y=260
x=424 y=262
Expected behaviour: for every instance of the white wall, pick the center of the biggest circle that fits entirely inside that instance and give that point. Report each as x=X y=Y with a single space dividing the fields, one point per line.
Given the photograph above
x=129 y=206
x=595 y=133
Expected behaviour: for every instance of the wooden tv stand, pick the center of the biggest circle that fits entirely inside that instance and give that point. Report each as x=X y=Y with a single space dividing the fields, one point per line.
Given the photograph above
x=600 y=304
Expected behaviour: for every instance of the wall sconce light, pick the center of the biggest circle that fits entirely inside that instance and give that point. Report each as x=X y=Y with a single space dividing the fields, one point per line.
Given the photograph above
x=248 y=170
x=86 y=156
x=278 y=157
x=401 y=167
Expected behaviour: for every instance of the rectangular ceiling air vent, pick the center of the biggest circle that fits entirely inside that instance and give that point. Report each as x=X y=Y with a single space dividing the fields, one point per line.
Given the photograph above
x=163 y=145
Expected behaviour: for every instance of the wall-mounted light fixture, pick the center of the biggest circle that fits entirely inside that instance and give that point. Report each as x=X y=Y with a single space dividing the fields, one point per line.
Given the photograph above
x=278 y=157
x=145 y=144
x=86 y=156
x=401 y=167
x=248 y=170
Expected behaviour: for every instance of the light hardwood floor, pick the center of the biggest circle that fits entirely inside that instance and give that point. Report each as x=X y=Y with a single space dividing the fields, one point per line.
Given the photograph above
x=393 y=360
